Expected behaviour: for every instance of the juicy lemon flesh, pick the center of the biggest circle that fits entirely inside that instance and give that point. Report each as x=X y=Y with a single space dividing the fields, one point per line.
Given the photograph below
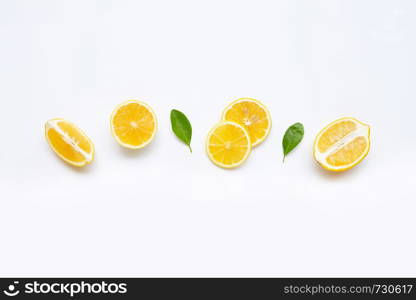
x=252 y=115
x=349 y=153
x=69 y=142
x=335 y=133
x=342 y=144
x=134 y=124
x=228 y=145
x=76 y=136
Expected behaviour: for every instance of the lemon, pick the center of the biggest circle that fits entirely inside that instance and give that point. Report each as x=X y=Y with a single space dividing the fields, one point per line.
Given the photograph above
x=69 y=142
x=342 y=144
x=228 y=145
x=252 y=115
x=133 y=124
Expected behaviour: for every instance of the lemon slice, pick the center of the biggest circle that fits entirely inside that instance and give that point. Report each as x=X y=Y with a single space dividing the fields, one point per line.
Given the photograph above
x=342 y=144
x=69 y=142
x=133 y=124
x=228 y=145
x=252 y=115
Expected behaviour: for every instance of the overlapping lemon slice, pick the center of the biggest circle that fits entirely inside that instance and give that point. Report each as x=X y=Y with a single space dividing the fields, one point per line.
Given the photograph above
x=69 y=142
x=342 y=144
x=133 y=124
x=252 y=115
x=228 y=145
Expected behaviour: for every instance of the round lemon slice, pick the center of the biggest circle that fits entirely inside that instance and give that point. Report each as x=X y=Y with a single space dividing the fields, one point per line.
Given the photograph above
x=133 y=124
x=69 y=142
x=228 y=145
x=342 y=144
x=252 y=115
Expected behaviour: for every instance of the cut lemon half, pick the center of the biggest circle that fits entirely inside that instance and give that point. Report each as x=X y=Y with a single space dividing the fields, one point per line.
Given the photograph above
x=252 y=115
x=228 y=145
x=69 y=142
x=342 y=144
x=133 y=124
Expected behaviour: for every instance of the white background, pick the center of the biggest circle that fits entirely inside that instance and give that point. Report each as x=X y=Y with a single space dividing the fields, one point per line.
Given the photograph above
x=165 y=212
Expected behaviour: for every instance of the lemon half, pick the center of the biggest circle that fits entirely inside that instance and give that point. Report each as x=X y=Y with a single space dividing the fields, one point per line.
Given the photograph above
x=342 y=144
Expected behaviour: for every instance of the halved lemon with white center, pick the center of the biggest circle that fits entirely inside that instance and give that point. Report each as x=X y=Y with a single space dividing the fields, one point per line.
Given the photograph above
x=228 y=145
x=252 y=115
x=69 y=142
x=342 y=144
x=133 y=124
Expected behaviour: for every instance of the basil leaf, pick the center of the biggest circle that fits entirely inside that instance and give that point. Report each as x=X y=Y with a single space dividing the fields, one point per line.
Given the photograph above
x=293 y=136
x=181 y=127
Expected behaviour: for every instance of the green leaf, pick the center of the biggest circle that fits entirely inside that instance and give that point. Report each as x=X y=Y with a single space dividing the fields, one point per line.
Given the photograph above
x=293 y=136
x=181 y=127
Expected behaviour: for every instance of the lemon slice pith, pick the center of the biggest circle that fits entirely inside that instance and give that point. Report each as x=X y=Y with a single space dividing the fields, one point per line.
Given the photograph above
x=133 y=124
x=228 y=145
x=342 y=144
x=252 y=115
x=69 y=142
